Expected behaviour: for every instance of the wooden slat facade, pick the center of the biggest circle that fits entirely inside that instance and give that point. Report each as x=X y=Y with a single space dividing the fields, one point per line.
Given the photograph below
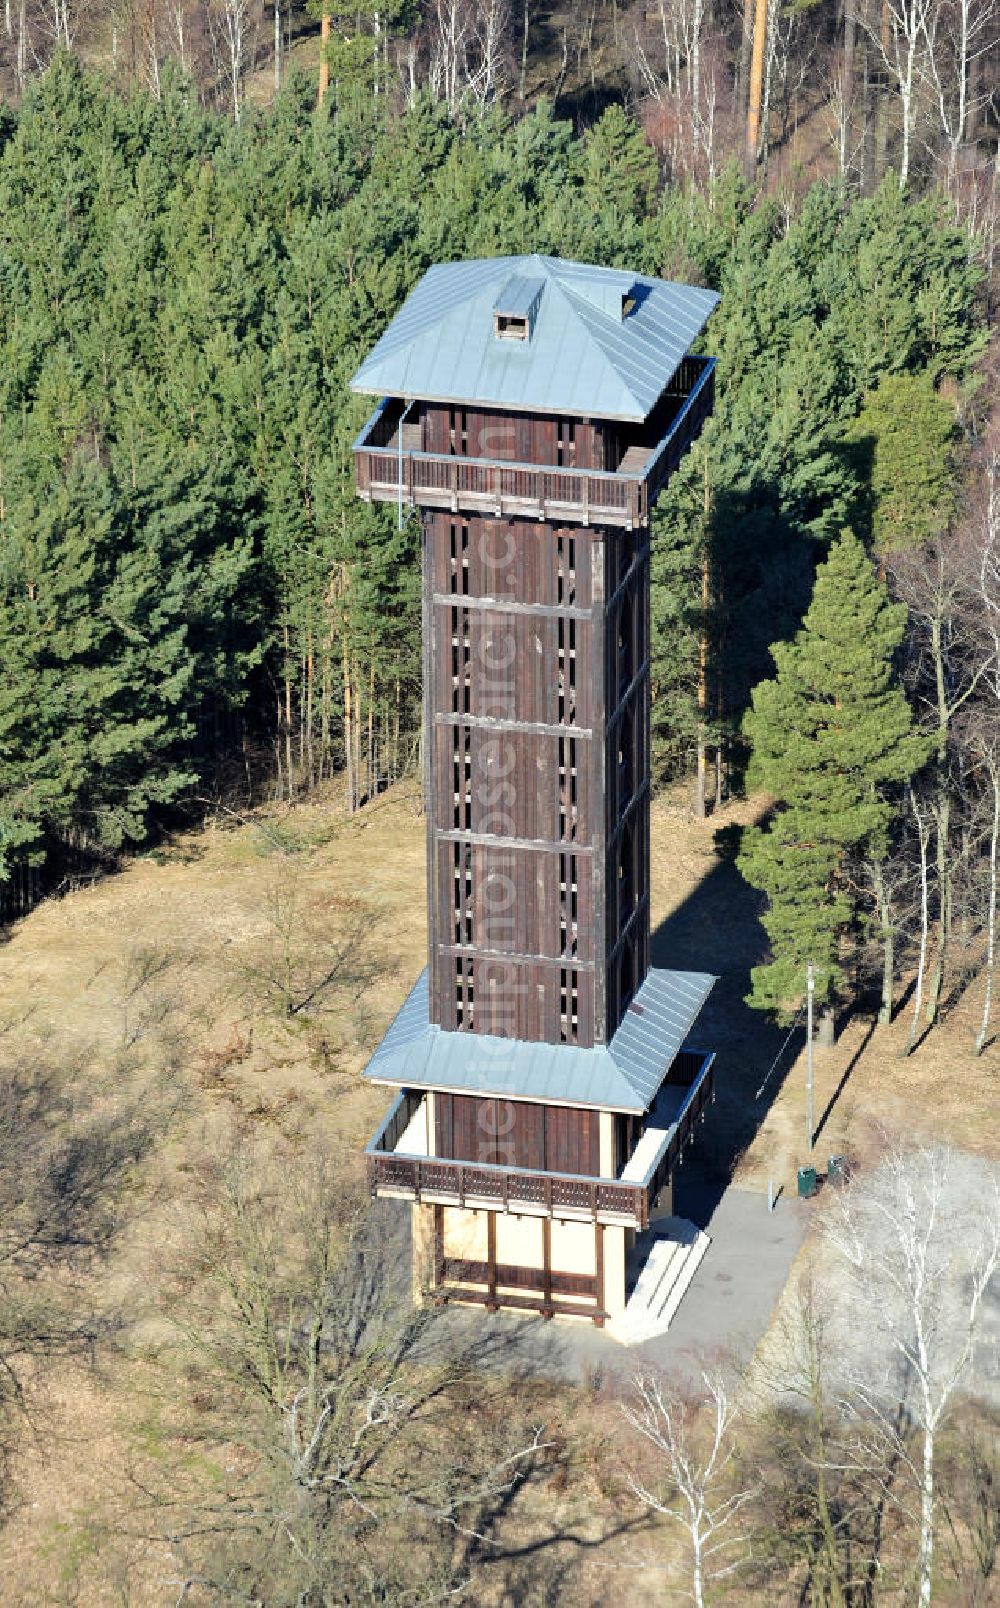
x=517 y=1133
x=537 y=688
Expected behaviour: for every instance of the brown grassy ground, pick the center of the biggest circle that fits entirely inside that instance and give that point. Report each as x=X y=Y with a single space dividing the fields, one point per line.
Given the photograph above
x=258 y=962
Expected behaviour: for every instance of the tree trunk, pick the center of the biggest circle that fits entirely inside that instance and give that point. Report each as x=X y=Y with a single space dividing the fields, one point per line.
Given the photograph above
x=927 y=1519
x=700 y=764
x=942 y=821
x=756 y=85
x=277 y=45
x=522 y=76
x=288 y=718
x=885 y=919
x=324 y=65
x=923 y=835
x=991 y=914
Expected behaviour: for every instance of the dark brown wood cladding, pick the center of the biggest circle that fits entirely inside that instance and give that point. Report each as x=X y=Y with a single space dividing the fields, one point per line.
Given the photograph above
x=504 y=1275
x=524 y=562
x=566 y=443
x=537 y=681
x=517 y=1133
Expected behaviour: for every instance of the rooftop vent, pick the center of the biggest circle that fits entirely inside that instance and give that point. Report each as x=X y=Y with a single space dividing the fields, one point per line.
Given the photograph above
x=516 y=308
x=613 y=293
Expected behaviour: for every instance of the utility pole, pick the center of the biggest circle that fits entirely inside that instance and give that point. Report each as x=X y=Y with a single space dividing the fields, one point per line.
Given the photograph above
x=810 y=990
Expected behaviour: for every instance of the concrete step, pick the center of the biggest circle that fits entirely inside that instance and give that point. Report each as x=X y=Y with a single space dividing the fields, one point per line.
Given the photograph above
x=673 y=1260
x=661 y=1268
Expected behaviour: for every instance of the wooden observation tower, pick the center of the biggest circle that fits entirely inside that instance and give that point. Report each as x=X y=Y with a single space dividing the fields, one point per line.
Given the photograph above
x=532 y=409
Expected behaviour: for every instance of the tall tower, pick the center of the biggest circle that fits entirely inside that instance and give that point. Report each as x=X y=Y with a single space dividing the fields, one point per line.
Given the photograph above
x=532 y=409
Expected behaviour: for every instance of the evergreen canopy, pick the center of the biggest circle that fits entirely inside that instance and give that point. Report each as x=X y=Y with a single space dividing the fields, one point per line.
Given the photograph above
x=832 y=733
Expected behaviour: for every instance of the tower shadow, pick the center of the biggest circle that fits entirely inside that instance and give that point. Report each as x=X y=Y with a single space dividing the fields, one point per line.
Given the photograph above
x=717 y=928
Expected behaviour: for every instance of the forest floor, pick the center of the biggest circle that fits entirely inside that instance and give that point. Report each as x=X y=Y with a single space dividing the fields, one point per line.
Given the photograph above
x=236 y=979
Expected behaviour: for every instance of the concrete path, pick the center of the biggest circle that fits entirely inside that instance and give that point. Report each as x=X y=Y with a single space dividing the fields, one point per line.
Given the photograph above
x=729 y=1302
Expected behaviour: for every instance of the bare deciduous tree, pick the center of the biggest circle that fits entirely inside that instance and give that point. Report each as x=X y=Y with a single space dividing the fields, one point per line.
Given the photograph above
x=921 y=1244
x=897 y=31
x=958 y=35
x=693 y=1442
x=375 y=1448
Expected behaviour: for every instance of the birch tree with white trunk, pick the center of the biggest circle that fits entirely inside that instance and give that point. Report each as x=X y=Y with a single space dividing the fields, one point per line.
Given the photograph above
x=898 y=33
x=692 y=1437
x=988 y=743
x=960 y=36
x=919 y=1239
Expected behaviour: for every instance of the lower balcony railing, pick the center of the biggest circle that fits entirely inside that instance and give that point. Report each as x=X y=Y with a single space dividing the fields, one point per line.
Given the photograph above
x=388 y=468
x=624 y=1200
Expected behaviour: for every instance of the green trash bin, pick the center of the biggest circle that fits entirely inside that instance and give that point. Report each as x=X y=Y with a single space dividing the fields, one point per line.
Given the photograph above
x=808 y=1182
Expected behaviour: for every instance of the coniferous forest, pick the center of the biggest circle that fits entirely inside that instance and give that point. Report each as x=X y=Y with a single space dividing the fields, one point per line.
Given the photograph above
x=195 y=607
x=214 y=1386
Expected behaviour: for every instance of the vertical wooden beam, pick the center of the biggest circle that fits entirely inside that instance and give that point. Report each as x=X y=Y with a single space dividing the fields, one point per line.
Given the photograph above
x=438 y=1247
x=599 y=1272
x=597 y=776
x=491 y=1260
x=547 y=1267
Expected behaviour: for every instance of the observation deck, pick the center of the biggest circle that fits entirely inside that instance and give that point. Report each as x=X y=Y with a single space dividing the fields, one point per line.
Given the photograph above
x=391 y=467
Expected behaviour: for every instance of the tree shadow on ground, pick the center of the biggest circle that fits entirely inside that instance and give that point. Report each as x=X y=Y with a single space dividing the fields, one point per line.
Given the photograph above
x=717 y=929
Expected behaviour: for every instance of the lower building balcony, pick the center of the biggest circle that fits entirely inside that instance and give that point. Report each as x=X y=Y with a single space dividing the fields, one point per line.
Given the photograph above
x=401 y=1163
x=390 y=467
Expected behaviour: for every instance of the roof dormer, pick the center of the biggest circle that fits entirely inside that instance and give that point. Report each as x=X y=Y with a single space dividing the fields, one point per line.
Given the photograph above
x=516 y=308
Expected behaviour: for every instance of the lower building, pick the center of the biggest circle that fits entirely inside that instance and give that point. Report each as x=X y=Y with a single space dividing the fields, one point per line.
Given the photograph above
x=524 y=1196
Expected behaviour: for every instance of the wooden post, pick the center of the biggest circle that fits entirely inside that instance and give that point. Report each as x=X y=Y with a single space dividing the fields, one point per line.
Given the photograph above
x=438 y=1246
x=547 y=1266
x=599 y=1274
x=491 y=1260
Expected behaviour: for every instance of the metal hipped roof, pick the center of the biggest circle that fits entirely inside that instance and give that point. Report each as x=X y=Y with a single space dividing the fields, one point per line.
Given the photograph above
x=584 y=356
x=621 y=1076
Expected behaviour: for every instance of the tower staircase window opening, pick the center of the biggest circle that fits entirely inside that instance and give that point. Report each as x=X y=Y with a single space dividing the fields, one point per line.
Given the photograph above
x=569 y=1006
x=462 y=779
x=626 y=975
x=566 y=569
x=569 y=932
x=458 y=431
x=463 y=903
x=568 y=789
x=626 y=756
x=566 y=444
x=461 y=661
x=625 y=645
x=464 y=993
x=626 y=875
x=566 y=633
x=459 y=556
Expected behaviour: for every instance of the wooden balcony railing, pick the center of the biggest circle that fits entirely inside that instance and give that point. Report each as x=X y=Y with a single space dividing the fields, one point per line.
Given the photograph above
x=389 y=469
x=522 y=1190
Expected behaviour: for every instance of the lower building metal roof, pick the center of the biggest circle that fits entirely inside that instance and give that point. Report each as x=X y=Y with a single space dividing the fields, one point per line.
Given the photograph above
x=621 y=1076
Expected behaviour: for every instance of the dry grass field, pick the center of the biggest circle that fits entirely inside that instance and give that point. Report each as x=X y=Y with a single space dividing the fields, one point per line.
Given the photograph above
x=235 y=980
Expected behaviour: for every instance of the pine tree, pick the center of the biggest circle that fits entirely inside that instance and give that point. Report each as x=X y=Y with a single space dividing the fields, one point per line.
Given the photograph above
x=832 y=736
x=905 y=439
